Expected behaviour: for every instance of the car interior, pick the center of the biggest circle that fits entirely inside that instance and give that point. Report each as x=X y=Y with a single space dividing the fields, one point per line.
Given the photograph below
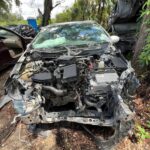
x=12 y=42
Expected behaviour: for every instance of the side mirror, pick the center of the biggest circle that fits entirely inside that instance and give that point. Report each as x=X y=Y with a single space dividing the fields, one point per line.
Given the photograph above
x=115 y=39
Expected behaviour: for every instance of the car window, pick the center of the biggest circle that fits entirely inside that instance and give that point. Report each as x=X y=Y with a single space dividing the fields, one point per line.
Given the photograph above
x=6 y=34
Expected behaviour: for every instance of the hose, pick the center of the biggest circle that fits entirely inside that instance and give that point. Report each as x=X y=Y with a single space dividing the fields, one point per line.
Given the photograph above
x=55 y=91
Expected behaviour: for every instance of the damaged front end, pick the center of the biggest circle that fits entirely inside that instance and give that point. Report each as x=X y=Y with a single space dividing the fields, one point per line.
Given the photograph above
x=85 y=85
x=86 y=90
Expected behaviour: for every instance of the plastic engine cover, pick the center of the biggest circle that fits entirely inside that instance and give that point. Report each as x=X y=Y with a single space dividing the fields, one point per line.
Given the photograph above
x=43 y=77
x=106 y=77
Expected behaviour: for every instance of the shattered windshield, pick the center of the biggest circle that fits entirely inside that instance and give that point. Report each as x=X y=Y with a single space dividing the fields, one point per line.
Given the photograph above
x=73 y=34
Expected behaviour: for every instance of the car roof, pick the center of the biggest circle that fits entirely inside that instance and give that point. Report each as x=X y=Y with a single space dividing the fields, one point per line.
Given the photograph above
x=71 y=23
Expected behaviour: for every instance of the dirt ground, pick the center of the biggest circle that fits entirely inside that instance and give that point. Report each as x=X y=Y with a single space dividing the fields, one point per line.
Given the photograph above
x=57 y=138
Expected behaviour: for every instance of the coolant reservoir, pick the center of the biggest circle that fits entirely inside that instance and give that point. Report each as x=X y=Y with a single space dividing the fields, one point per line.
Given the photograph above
x=101 y=65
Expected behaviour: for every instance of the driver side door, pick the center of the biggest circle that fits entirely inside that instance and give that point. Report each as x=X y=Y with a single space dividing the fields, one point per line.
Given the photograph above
x=12 y=45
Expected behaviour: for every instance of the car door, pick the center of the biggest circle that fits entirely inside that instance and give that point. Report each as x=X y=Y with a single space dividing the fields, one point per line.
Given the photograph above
x=12 y=45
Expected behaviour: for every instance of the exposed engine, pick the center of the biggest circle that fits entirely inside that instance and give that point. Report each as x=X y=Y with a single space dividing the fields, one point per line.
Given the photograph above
x=71 y=72
x=86 y=90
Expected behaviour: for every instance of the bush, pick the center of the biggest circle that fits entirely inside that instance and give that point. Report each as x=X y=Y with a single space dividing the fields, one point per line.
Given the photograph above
x=145 y=55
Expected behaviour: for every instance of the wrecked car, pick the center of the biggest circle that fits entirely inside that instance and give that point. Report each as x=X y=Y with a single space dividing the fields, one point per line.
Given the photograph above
x=124 y=22
x=71 y=72
x=12 y=46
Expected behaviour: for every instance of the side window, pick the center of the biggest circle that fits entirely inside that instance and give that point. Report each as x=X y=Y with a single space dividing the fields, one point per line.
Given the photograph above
x=6 y=34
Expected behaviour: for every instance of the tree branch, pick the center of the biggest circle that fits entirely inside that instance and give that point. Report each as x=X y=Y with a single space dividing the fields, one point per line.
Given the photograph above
x=58 y=4
x=40 y=13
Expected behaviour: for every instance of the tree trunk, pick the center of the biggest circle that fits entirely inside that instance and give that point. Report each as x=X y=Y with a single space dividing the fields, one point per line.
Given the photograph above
x=101 y=9
x=48 y=6
x=141 y=42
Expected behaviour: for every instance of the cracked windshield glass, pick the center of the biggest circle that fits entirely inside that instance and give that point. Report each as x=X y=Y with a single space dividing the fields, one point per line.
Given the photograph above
x=75 y=34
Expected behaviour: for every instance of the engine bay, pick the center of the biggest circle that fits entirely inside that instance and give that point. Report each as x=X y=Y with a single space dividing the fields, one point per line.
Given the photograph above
x=86 y=90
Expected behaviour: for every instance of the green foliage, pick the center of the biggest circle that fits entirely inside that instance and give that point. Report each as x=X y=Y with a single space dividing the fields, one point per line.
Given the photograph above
x=98 y=10
x=142 y=133
x=12 y=19
x=145 y=55
x=39 y=21
x=148 y=124
x=15 y=22
x=146 y=11
x=6 y=17
x=5 y=6
x=62 y=17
